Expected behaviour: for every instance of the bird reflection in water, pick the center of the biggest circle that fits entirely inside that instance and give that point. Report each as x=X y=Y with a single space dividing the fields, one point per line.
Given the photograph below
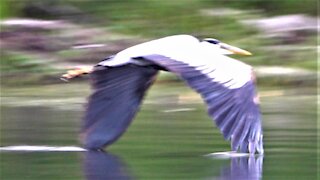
x=243 y=168
x=102 y=165
x=98 y=165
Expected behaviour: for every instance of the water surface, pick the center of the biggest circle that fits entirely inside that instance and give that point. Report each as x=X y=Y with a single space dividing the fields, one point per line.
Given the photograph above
x=168 y=139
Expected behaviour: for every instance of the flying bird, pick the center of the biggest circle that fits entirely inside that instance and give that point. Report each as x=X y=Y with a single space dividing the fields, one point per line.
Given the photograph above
x=226 y=85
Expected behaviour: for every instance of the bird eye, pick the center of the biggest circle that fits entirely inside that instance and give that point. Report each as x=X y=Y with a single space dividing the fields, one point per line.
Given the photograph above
x=212 y=41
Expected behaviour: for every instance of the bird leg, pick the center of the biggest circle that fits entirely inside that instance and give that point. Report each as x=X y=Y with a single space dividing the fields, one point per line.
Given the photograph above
x=76 y=71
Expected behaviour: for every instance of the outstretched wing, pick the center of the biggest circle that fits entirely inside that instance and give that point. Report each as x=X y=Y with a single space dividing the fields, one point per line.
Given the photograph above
x=118 y=92
x=227 y=87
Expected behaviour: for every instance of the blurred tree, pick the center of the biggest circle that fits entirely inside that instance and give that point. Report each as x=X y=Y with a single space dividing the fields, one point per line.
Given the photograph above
x=49 y=9
x=5 y=9
x=274 y=7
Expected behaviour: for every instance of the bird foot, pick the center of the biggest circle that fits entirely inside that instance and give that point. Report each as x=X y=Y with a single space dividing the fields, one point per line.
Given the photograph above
x=75 y=72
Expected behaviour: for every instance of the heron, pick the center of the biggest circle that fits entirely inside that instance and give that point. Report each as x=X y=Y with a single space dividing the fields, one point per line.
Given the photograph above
x=226 y=85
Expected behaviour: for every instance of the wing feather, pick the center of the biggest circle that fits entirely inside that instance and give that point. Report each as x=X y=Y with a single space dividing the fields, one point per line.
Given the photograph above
x=117 y=95
x=233 y=108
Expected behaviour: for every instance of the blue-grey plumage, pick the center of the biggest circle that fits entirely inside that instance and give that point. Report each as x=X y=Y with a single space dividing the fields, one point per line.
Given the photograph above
x=234 y=110
x=117 y=95
x=225 y=84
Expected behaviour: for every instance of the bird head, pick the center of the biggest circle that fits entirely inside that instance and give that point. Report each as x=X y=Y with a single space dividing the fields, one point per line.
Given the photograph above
x=226 y=48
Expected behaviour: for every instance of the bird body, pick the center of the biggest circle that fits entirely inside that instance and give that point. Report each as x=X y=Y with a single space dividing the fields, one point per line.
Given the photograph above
x=188 y=49
x=172 y=46
x=225 y=84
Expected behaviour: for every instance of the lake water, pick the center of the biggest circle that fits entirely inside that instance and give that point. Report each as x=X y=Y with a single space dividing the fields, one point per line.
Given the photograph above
x=169 y=139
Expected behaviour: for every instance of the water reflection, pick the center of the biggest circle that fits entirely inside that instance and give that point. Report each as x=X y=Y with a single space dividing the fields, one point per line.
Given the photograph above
x=166 y=145
x=99 y=165
x=243 y=168
x=102 y=165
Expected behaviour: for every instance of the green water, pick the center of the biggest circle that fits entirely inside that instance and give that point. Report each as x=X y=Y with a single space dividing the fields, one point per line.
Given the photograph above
x=168 y=139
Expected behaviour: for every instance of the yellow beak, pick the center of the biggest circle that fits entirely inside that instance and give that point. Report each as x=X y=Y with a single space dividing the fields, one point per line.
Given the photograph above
x=235 y=50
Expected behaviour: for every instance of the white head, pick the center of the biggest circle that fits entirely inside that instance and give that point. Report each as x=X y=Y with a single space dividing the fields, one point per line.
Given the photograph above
x=224 y=48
